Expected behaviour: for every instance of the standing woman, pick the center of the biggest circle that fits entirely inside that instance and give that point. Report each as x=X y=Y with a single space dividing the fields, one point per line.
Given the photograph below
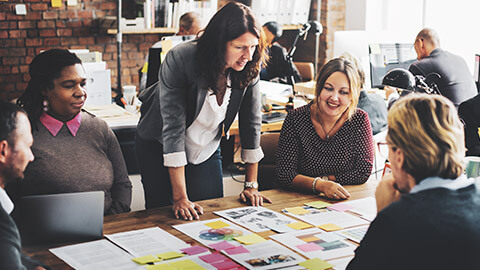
x=202 y=86
x=74 y=150
x=328 y=142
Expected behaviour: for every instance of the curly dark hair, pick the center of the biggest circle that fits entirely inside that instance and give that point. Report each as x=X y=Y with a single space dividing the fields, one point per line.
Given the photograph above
x=230 y=22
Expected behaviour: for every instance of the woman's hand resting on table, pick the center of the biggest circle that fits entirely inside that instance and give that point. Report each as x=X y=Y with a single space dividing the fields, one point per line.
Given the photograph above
x=255 y=197
x=186 y=209
x=333 y=190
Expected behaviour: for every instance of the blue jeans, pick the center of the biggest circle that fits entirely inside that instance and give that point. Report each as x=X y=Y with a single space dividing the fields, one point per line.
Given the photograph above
x=203 y=181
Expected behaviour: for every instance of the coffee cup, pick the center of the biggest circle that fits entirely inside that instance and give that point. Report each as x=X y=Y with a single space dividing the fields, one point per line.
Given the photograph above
x=473 y=166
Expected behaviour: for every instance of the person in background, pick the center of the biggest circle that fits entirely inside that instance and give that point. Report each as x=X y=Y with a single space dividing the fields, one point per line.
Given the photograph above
x=328 y=142
x=75 y=151
x=190 y=24
x=373 y=104
x=204 y=84
x=278 y=69
x=15 y=153
x=456 y=82
x=427 y=208
x=469 y=112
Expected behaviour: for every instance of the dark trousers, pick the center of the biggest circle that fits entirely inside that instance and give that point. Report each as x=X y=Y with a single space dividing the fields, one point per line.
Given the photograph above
x=203 y=181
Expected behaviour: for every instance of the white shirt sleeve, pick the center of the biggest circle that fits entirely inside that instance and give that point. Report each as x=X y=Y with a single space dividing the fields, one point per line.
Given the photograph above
x=252 y=155
x=177 y=159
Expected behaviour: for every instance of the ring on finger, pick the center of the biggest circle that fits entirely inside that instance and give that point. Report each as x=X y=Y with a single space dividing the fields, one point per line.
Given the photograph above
x=335 y=195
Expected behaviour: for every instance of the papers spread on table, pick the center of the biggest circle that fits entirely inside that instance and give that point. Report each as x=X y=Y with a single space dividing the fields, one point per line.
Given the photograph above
x=365 y=208
x=266 y=255
x=150 y=241
x=214 y=231
x=257 y=219
x=316 y=243
x=355 y=234
x=99 y=254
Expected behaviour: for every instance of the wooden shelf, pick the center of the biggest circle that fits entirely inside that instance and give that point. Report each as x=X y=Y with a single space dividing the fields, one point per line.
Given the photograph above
x=160 y=30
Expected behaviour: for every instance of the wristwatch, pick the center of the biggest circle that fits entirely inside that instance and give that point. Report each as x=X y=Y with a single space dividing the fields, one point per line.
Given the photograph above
x=250 y=184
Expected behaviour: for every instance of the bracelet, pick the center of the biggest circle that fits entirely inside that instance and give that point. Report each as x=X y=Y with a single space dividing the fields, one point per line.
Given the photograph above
x=314 y=183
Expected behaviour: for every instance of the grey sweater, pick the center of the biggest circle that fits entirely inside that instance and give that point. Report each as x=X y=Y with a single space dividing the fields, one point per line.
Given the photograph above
x=90 y=161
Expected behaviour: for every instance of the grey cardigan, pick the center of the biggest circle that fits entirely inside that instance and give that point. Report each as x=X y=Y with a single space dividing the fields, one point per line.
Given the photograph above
x=170 y=106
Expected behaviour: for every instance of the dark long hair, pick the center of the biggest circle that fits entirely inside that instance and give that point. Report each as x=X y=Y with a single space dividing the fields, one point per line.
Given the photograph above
x=43 y=70
x=230 y=22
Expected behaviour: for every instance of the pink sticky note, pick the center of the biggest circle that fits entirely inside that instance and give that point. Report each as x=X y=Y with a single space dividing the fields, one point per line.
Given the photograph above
x=237 y=250
x=214 y=257
x=221 y=245
x=228 y=264
x=194 y=250
x=340 y=207
x=309 y=247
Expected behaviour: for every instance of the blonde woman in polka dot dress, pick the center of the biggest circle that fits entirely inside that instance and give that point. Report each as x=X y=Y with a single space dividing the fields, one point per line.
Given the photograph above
x=328 y=142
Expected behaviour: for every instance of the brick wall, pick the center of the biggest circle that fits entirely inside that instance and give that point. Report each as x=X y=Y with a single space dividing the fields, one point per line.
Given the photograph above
x=44 y=27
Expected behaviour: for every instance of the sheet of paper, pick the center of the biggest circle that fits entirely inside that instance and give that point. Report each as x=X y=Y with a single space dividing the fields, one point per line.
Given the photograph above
x=330 y=249
x=341 y=263
x=72 y=3
x=267 y=255
x=207 y=236
x=255 y=218
x=365 y=208
x=318 y=217
x=355 y=234
x=148 y=241
x=100 y=254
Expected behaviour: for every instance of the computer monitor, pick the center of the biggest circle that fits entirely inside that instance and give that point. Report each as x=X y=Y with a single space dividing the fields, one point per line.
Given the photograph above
x=384 y=57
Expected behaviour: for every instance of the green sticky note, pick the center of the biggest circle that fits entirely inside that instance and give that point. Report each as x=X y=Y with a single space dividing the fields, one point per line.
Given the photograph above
x=299 y=225
x=250 y=239
x=316 y=264
x=146 y=259
x=163 y=266
x=186 y=264
x=297 y=210
x=217 y=224
x=170 y=255
x=318 y=204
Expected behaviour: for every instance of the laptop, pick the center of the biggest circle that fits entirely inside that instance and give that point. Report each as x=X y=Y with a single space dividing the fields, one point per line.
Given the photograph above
x=60 y=217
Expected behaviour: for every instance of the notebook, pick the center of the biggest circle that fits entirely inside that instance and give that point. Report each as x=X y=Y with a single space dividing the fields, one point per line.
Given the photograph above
x=60 y=217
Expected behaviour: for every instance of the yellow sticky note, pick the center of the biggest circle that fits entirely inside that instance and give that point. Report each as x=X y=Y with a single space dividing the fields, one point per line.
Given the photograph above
x=310 y=239
x=299 y=225
x=250 y=239
x=217 y=224
x=146 y=259
x=163 y=266
x=318 y=204
x=297 y=210
x=170 y=255
x=478 y=132
x=316 y=264
x=330 y=227
x=186 y=264
x=56 y=3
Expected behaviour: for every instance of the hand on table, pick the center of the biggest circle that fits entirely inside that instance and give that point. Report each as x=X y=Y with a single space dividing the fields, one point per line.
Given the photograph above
x=255 y=197
x=334 y=190
x=386 y=192
x=186 y=209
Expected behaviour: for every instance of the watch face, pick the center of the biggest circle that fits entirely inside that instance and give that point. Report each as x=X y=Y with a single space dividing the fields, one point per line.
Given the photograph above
x=251 y=184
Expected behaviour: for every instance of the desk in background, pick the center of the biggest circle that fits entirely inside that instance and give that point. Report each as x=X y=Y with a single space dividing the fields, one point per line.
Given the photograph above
x=163 y=217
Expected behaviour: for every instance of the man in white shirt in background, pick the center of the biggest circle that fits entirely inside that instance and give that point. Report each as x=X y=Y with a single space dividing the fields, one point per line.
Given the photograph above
x=190 y=24
x=15 y=154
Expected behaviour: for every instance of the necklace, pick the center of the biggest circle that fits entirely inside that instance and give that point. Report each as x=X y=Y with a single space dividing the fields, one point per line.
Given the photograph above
x=321 y=124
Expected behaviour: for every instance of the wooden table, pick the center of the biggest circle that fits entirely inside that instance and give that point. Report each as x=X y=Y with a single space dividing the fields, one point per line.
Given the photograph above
x=163 y=217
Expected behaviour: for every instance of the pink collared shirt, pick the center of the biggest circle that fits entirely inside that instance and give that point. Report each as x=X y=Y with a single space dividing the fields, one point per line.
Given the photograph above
x=53 y=125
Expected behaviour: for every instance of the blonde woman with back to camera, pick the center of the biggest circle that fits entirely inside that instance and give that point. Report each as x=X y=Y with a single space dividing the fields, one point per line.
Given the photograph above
x=328 y=142
x=428 y=210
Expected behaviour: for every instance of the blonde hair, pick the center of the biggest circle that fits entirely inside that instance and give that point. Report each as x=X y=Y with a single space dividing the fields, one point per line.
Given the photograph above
x=346 y=67
x=428 y=131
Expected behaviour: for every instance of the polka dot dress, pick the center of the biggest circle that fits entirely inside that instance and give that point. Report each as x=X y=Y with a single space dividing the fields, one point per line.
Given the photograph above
x=348 y=154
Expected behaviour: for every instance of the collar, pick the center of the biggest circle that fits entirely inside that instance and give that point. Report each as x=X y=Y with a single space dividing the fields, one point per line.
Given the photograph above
x=436 y=51
x=53 y=125
x=5 y=201
x=437 y=182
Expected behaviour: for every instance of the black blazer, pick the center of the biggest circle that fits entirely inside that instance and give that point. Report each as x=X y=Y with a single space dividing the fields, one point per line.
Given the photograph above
x=469 y=112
